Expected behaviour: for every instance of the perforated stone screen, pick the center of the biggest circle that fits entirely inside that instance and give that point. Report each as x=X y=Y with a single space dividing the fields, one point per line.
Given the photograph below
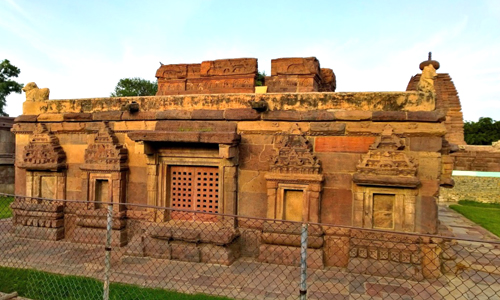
x=194 y=188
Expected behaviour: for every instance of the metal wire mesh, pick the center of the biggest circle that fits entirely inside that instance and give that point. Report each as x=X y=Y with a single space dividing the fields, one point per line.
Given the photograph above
x=56 y=250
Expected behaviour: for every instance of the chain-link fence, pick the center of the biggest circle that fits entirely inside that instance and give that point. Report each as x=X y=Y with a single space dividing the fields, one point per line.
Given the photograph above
x=74 y=250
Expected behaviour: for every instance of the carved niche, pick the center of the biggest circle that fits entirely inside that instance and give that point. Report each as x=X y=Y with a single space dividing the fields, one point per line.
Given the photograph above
x=45 y=164
x=386 y=164
x=294 y=180
x=104 y=179
x=105 y=167
x=386 y=190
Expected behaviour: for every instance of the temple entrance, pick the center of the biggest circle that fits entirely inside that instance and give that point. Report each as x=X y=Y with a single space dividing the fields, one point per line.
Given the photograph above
x=195 y=189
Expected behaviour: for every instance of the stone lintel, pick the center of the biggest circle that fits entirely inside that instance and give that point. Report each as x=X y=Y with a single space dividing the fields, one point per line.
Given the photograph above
x=392 y=181
x=229 y=138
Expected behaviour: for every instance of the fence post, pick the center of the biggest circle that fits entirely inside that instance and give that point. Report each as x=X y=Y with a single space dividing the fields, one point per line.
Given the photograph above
x=303 y=262
x=107 y=258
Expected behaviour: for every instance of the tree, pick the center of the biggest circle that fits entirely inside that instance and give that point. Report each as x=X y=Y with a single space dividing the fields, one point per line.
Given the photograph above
x=8 y=86
x=483 y=132
x=127 y=87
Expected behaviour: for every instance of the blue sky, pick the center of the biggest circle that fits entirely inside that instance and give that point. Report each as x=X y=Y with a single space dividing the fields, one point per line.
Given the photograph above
x=80 y=49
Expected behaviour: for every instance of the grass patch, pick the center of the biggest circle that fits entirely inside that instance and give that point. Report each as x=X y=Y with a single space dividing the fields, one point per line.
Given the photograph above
x=40 y=285
x=5 y=211
x=485 y=214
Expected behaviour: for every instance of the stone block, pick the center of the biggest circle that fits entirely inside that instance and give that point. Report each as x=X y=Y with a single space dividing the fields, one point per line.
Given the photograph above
x=385 y=268
x=239 y=114
x=389 y=116
x=291 y=228
x=426 y=116
x=157 y=248
x=336 y=207
x=427 y=143
x=213 y=254
x=218 y=236
x=107 y=116
x=318 y=115
x=252 y=204
x=327 y=128
x=50 y=118
x=295 y=66
x=255 y=157
x=291 y=240
x=340 y=181
x=189 y=234
x=185 y=251
x=336 y=251
x=290 y=256
x=338 y=162
x=353 y=115
x=39 y=233
x=249 y=241
x=141 y=115
x=225 y=67
x=174 y=114
x=356 y=144
x=281 y=115
x=431 y=265
x=26 y=118
x=87 y=235
x=77 y=117
x=207 y=114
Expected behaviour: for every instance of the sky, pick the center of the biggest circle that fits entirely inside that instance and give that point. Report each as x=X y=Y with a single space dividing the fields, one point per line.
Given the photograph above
x=81 y=49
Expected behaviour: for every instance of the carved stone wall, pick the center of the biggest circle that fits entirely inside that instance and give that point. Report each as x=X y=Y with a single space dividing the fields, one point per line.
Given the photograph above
x=7 y=151
x=44 y=162
x=209 y=77
x=104 y=179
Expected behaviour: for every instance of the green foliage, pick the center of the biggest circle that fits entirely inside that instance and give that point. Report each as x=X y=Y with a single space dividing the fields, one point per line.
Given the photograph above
x=7 y=85
x=5 y=211
x=128 y=87
x=261 y=78
x=483 y=132
x=486 y=215
x=47 y=286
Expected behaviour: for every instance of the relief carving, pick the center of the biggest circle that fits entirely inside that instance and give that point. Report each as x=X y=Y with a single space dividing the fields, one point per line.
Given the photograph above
x=294 y=154
x=386 y=164
x=106 y=153
x=295 y=66
x=43 y=151
x=222 y=67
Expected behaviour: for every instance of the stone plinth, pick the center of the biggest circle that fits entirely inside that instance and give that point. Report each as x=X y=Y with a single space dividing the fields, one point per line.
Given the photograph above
x=38 y=220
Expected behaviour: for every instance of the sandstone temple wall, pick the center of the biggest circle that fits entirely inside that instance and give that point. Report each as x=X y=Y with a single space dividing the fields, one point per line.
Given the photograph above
x=7 y=148
x=298 y=153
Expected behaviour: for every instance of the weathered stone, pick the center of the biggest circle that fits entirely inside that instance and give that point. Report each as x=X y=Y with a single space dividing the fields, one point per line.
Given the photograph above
x=107 y=116
x=286 y=255
x=175 y=114
x=291 y=240
x=218 y=255
x=389 y=116
x=77 y=117
x=207 y=114
x=240 y=114
x=185 y=251
x=26 y=118
x=356 y=144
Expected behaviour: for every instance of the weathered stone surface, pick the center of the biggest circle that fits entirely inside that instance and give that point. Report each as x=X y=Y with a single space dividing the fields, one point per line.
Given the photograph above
x=26 y=118
x=157 y=248
x=429 y=143
x=40 y=233
x=77 y=117
x=291 y=240
x=336 y=251
x=239 y=114
x=218 y=255
x=286 y=255
x=175 y=114
x=107 y=116
x=327 y=128
x=185 y=251
x=389 y=116
x=336 y=207
x=207 y=114
x=356 y=144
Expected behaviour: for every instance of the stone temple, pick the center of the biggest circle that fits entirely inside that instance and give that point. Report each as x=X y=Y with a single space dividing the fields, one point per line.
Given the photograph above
x=208 y=142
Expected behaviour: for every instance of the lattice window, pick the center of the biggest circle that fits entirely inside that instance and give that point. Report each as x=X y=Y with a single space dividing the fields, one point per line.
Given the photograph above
x=194 y=188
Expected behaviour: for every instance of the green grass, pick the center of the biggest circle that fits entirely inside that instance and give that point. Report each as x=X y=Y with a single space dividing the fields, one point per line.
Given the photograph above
x=5 y=211
x=485 y=214
x=42 y=285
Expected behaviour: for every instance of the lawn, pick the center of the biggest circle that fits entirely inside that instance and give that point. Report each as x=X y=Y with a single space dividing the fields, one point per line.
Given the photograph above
x=5 y=211
x=47 y=286
x=485 y=214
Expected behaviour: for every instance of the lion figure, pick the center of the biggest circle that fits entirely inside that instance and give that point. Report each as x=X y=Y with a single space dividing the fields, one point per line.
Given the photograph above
x=426 y=82
x=33 y=93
